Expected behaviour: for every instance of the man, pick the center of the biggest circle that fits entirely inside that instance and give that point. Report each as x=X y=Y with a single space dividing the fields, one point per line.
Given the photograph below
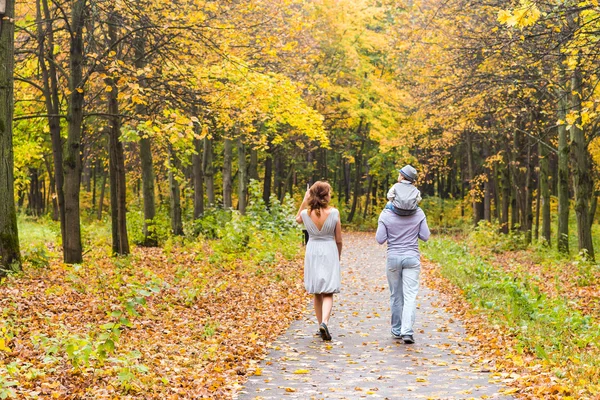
x=403 y=266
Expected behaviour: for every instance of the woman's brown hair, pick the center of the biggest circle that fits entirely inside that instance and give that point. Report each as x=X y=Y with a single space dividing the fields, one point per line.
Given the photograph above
x=318 y=193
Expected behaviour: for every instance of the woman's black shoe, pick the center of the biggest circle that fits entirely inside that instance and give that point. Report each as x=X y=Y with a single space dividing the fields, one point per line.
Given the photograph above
x=324 y=332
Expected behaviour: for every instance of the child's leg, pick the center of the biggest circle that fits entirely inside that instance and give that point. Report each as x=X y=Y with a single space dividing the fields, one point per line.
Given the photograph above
x=389 y=206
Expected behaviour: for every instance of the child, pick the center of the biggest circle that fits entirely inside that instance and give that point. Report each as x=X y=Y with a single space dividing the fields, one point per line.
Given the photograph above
x=404 y=197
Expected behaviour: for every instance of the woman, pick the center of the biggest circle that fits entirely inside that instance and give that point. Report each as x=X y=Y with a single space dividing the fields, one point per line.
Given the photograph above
x=323 y=251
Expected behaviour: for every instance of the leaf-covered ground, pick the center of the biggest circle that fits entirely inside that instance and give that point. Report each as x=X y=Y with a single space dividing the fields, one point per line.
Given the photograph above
x=176 y=323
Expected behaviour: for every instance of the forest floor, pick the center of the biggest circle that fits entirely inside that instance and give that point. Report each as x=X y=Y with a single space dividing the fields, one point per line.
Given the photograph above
x=181 y=322
x=363 y=360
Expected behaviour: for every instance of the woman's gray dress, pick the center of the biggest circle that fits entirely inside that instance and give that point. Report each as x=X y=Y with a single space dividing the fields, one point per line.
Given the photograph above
x=321 y=261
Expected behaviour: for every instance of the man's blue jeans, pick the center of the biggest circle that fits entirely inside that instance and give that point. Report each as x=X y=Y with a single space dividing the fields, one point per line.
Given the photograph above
x=403 y=277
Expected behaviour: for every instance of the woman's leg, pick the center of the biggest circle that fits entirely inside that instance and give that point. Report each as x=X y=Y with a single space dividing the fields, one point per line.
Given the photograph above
x=318 y=302
x=327 y=303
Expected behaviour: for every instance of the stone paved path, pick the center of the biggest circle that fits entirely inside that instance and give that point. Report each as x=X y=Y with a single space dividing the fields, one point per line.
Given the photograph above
x=362 y=360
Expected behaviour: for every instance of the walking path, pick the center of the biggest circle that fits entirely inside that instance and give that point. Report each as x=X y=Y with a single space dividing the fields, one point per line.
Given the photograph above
x=363 y=360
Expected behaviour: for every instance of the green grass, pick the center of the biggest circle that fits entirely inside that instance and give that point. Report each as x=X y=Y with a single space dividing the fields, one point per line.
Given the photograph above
x=548 y=328
x=35 y=232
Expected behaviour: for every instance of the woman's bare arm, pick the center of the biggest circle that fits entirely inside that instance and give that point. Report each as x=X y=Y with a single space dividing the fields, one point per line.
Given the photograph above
x=302 y=207
x=338 y=237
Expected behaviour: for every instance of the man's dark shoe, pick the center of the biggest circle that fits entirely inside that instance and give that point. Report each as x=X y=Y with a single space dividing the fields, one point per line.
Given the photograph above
x=324 y=332
x=408 y=339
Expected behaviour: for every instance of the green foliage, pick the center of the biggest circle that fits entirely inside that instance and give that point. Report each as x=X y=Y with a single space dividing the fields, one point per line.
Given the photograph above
x=37 y=231
x=36 y=255
x=129 y=370
x=547 y=327
x=487 y=235
x=446 y=215
x=278 y=218
x=210 y=328
x=96 y=234
x=160 y=227
x=209 y=225
x=6 y=387
x=253 y=233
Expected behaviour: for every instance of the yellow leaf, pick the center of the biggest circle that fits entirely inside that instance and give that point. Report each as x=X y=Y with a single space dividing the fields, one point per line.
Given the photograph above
x=421 y=380
x=108 y=88
x=258 y=372
x=80 y=90
x=301 y=371
x=504 y=16
x=289 y=389
x=3 y=345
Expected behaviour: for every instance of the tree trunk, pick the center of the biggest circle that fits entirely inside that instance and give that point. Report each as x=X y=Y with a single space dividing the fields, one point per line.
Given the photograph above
x=209 y=171
x=593 y=208
x=545 y=192
x=242 y=179
x=268 y=175
x=198 y=179
x=52 y=190
x=582 y=178
x=356 y=193
x=101 y=199
x=72 y=247
x=347 y=180
x=341 y=168
x=324 y=169
x=471 y=171
x=487 y=199
x=374 y=194
x=527 y=208
x=87 y=170
x=10 y=255
x=227 y=171
x=495 y=193
x=367 y=201
x=538 y=199
x=253 y=166
x=118 y=186
x=36 y=200
x=174 y=165
x=94 y=182
x=146 y=161
x=289 y=180
x=357 y=178
x=563 y=176
x=278 y=172
x=50 y=84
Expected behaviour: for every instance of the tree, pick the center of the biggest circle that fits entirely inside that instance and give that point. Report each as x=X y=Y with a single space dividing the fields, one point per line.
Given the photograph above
x=9 y=237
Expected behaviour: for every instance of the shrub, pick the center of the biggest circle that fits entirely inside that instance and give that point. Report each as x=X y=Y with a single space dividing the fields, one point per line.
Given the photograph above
x=161 y=227
x=36 y=255
x=487 y=235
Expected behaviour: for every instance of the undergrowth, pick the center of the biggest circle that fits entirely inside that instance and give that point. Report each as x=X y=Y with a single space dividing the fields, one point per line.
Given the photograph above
x=548 y=328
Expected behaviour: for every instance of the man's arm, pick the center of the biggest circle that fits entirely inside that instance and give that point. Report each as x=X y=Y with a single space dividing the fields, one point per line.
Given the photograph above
x=381 y=235
x=424 y=230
